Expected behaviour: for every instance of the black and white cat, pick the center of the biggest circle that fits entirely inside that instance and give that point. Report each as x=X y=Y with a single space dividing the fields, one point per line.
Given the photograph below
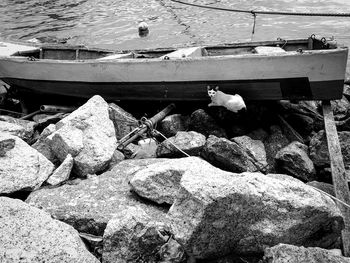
x=233 y=103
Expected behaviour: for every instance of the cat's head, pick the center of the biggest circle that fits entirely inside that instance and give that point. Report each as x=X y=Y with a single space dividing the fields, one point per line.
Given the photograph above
x=212 y=91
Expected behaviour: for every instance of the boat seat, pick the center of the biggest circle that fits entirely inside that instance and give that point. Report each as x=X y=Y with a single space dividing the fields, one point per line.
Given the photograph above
x=9 y=49
x=184 y=53
x=268 y=50
x=117 y=56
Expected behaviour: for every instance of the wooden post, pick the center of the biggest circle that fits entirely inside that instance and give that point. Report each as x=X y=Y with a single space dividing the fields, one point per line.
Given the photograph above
x=338 y=172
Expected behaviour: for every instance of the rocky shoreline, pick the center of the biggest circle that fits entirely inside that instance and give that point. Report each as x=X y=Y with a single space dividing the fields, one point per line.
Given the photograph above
x=242 y=188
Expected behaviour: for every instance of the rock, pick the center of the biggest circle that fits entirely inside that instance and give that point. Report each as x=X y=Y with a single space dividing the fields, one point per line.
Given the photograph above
x=319 y=150
x=88 y=135
x=303 y=124
x=284 y=253
x=190 y=142
x=28 y=234
x=159 y=182
x=172 y=124
x=255 y=149
x=258 y=134
x=227 y=155
x=294 y=160
x=89 y=204
x=341 y=108
x=42 y=145
x=44 y=120
x=131 y=150
x=15 y=129
x=123 y=121
x=203 y=123
x=273 y=144
x=62 y=173
x=6 y=144
x=116 y=158
x=132 y=236
x=328 y=188
x=22 y=168
x=218 y=213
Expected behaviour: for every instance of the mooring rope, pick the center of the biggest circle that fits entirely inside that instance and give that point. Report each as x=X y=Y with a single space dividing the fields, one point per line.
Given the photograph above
x=256 y=12
x=176 y=147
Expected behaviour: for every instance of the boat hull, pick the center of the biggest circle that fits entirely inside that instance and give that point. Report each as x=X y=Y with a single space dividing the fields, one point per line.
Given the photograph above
x=309 y=75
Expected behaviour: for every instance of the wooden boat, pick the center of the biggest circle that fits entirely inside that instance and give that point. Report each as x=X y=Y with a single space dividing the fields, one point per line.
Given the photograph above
x=302 y=69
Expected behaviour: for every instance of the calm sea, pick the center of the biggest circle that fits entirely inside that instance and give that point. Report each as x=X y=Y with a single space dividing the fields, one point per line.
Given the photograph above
x=113 y=23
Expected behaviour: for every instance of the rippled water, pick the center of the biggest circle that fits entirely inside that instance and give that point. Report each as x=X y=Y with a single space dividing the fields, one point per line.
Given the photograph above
x=113 y=23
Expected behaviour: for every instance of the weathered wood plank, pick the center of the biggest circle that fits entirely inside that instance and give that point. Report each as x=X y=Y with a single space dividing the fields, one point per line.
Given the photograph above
x=338 y=171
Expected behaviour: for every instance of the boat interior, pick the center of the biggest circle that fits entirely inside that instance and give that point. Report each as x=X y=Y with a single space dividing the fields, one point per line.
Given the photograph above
x=63 y=52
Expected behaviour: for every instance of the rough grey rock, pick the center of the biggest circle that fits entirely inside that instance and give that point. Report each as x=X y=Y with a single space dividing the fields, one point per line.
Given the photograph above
x=159 y=182
x=172 y=124
x=294 y=160
x=42 y=145
x=6 y=144
x=62 y=173
x=190 y=142
x=116 y=158
x=255 y=149
x=89 y=204
x=202 y=122
x=274 y=143
x=88 y=135
x=28 y=234
x=284 y=253
x=22 y=167
x=132 y=236
x=123 y=121
x=228 y=155
x=319 y=150
x=217 y=213
x=259 y=134
x=328 y=188
x=15 y=130
x=341 y=108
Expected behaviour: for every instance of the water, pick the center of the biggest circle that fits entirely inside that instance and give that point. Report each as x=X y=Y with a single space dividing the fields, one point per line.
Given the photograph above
x=113 y=24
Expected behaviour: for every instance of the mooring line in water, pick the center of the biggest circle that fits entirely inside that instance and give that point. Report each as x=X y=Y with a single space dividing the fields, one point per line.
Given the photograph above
x=256 y=12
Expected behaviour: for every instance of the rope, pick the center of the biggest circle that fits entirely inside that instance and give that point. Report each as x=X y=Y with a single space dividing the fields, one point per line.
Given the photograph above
x=255 y=12
x=164 y=137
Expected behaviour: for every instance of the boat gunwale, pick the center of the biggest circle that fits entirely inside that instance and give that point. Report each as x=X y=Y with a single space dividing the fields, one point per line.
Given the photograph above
x=23 y=59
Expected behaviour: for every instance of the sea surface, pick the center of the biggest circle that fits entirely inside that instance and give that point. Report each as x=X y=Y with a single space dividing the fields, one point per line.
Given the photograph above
x=113 y=24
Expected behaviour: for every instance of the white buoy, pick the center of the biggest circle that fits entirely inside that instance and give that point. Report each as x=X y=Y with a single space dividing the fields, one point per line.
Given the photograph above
x=143 y=29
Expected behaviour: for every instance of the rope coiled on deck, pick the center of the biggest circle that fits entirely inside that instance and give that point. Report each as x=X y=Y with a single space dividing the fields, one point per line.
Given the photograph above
x=256 y=12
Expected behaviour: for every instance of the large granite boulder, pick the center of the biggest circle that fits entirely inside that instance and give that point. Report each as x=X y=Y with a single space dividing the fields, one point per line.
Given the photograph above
x=28 y=234
x=174 y=123
x=284 y=253
x=89 y=204
x=22 y=168
x=255 y=149
x=132 y=236
x=319 y=150
x=325 y=187
x=190 y=142
x=294 y=160
x=160 y=182
x=123 y=121
x=88 y=135
x=218 y=213
x=228 y=155
x=203 y=123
